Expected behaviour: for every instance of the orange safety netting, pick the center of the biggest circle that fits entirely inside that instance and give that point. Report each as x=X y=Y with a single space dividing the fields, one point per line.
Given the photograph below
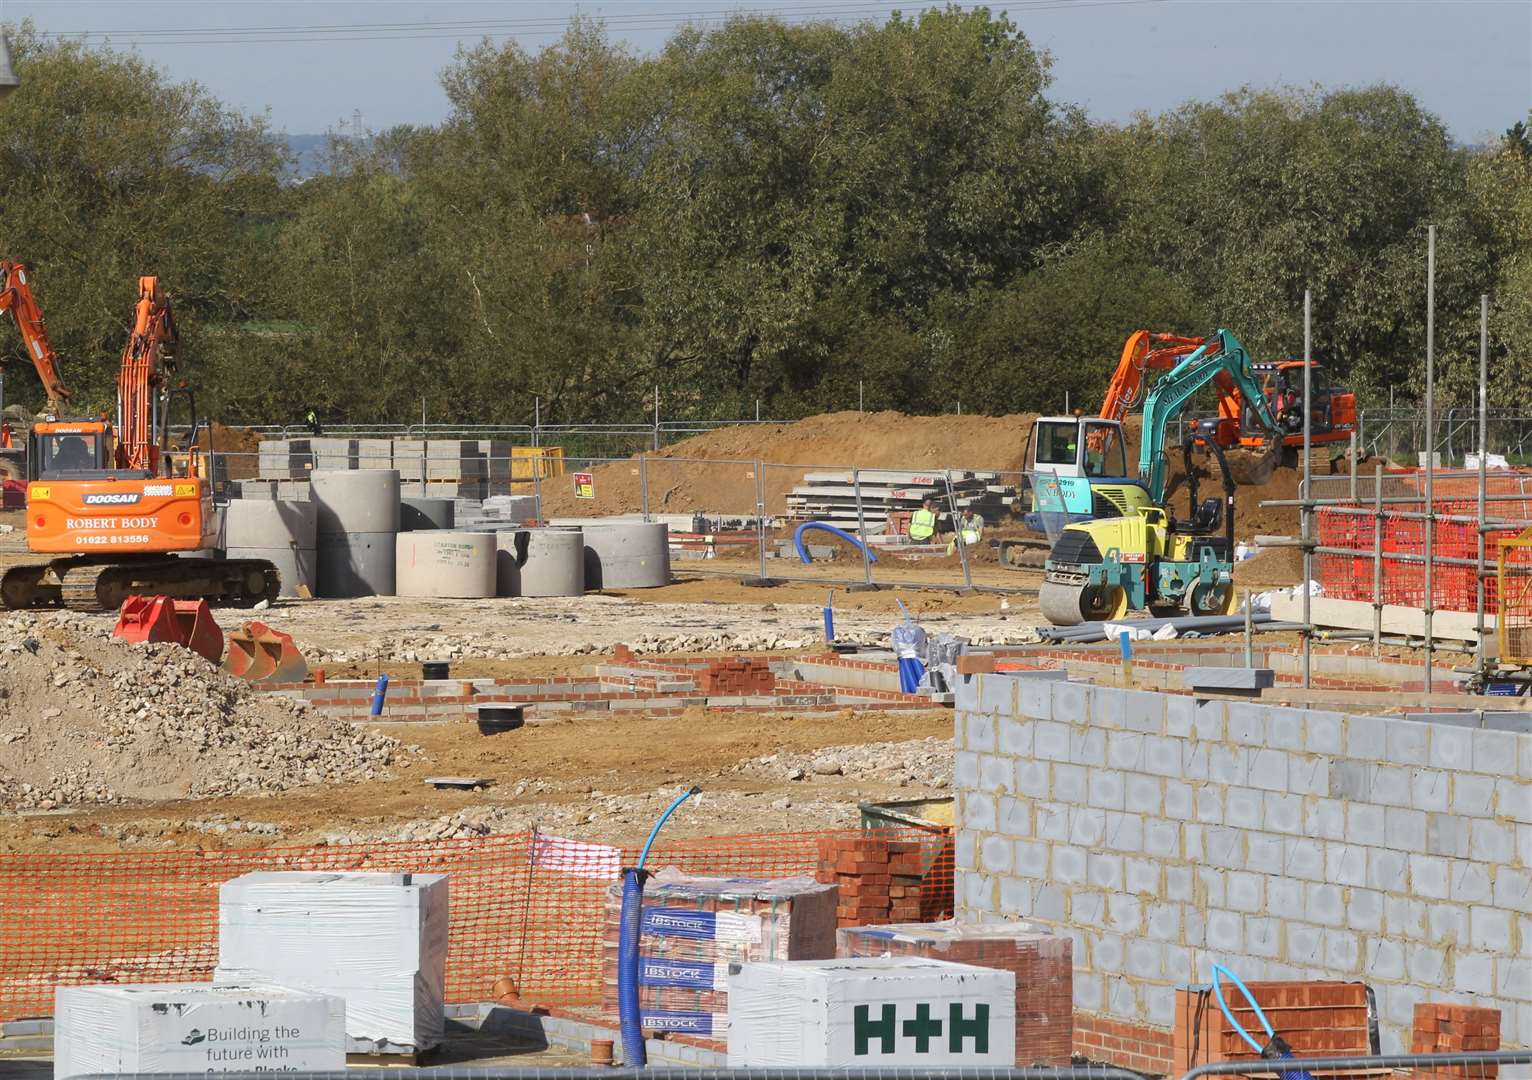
x=1401 y=569
x=527 y=906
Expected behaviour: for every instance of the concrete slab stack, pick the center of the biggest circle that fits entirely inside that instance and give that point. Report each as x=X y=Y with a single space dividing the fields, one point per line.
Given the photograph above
x=358 y=519
x=284 y=459
x=831 y=496
x=374 y=453
x=333 y=453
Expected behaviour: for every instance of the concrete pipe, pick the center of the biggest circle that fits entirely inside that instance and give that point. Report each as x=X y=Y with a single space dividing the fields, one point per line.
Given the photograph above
x=263 y=523
x=356 y=501
x=539 y=562
x=298 y=566
x=445 y=563
x=632 y=555
x=421 y=514
x=356 y=564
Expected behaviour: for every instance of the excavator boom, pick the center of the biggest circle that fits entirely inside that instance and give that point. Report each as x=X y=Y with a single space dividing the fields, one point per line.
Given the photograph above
x=148 y=356
x=16 y=297
x=1220 y=356
x=1143 y=352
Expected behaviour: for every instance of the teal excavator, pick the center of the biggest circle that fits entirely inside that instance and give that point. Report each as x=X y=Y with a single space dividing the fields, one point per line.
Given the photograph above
x=1143 y=557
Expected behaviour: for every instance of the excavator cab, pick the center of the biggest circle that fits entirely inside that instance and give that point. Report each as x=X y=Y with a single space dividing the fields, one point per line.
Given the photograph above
x=69 y=451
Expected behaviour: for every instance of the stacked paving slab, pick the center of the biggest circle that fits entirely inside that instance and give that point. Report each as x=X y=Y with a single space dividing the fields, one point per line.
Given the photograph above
x=831 y=496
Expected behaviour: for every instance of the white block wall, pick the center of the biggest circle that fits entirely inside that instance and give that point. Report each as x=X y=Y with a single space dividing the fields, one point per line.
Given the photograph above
x=1165 y=833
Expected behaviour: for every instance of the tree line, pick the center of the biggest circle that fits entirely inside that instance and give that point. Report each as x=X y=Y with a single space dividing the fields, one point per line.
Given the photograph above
x=757 y=211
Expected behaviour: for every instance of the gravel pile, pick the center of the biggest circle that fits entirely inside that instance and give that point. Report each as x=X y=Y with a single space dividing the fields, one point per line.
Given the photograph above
x=87 y=718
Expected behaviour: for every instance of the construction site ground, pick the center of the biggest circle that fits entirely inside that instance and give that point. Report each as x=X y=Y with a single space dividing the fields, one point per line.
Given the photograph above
x=606 y=777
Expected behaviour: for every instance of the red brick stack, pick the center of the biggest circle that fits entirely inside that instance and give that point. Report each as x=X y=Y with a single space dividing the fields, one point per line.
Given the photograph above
x=1043 y=963
x=880 y=880
x=745 y=675
x=1455 y=1029
x=1326 y=1019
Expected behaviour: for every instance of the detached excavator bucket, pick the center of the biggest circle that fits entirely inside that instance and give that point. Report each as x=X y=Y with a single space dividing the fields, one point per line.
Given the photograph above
x=259 y=654
x=188 y=623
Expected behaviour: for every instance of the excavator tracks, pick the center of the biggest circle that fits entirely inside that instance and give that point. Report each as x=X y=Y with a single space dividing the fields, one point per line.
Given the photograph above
x=81 y=584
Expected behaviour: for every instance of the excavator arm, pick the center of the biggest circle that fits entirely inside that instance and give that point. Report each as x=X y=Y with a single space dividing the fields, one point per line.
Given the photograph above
x=16 y=297
x=1221 y=356
x=146 y=361
x=1143 y=352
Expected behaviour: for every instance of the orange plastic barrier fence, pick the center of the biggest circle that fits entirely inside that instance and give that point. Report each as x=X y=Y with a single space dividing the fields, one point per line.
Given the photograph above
x=524 y=905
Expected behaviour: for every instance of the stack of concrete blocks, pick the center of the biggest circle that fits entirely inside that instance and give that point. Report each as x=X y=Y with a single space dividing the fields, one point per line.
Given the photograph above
x=333 y=454
x=496 y=454
x=1165 y=833
x=454 y=469
x=374 y=453
x=284 y=459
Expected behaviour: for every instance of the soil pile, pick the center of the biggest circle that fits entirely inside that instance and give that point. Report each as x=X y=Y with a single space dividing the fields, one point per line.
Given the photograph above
x=842 y=440
x=85 y=717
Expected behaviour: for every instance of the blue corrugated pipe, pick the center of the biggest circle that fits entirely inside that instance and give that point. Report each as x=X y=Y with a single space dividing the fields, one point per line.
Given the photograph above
x=1276 y=1047
x=633 y=1054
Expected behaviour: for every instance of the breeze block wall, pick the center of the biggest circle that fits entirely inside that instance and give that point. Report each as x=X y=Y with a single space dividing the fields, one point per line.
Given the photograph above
x=1165 y=833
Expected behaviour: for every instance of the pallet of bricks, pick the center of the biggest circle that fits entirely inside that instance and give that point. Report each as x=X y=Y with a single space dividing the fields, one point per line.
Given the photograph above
x=883 y=879
x=1455 y=1029
x=1315 y=1019
x=1042 y=961
x=693 y=928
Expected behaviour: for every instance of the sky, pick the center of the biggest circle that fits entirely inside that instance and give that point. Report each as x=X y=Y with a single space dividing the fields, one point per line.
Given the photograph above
x=316 y=64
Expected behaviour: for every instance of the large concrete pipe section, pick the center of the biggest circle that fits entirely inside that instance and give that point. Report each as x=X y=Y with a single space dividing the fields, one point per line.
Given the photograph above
x=418 y=514
x=355 y=500
x=633 y=555
x=283 y=533
x=539 y=562
x=358 y=518
x=356 y=564
x=446 y=563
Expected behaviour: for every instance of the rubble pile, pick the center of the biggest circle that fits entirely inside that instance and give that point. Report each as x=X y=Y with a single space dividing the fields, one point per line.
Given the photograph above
x=86 y=718
x=925 y=763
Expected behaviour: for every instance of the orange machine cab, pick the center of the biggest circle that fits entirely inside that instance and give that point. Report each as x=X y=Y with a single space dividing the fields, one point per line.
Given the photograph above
x=78 y=503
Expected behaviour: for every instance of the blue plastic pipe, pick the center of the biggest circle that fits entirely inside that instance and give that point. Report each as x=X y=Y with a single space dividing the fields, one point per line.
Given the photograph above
x=629 y=1017
x=1275 y=1047
x=830 y=619
x=822 y=527
x=379 y=694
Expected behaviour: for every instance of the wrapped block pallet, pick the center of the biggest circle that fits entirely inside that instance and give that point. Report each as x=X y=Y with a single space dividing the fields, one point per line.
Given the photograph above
x=693 y=928
x=871 y=1012
x=195 y=1028
x=378 y=940
x=1042 y=961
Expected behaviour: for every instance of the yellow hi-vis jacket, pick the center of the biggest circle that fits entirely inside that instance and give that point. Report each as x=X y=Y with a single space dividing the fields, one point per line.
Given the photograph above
x=922 y=525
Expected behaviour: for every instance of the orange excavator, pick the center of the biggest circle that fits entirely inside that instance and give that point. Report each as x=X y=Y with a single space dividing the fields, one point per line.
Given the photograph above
x=16 y=299
x=1333 y=406
x=112 y=506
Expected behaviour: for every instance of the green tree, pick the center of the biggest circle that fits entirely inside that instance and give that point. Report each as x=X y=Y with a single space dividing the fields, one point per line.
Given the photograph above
x=109 y=171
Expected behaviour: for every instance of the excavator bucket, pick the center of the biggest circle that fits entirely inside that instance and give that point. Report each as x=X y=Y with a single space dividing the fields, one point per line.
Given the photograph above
x=259 y=654
x=188 y=623
x=1255 y=467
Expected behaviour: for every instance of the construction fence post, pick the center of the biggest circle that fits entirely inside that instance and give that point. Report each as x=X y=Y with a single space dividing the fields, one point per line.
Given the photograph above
x=1377 y=560
x=656 y=416
x=643 y=485
x=957 y=531
x=861 y=526
x=1305 y=524
x=1480 y=653
x=1430 y=605
x=1352 y=469
x=760 y=511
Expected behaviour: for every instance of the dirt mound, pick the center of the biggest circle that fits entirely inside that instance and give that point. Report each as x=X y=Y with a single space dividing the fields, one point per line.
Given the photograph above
x=842 y=440
x=85 y=717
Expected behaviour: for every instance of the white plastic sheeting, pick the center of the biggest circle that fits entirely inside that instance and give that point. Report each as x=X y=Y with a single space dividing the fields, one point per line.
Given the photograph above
x=195 y=1028
x=377 y=940
x=871 y=1012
